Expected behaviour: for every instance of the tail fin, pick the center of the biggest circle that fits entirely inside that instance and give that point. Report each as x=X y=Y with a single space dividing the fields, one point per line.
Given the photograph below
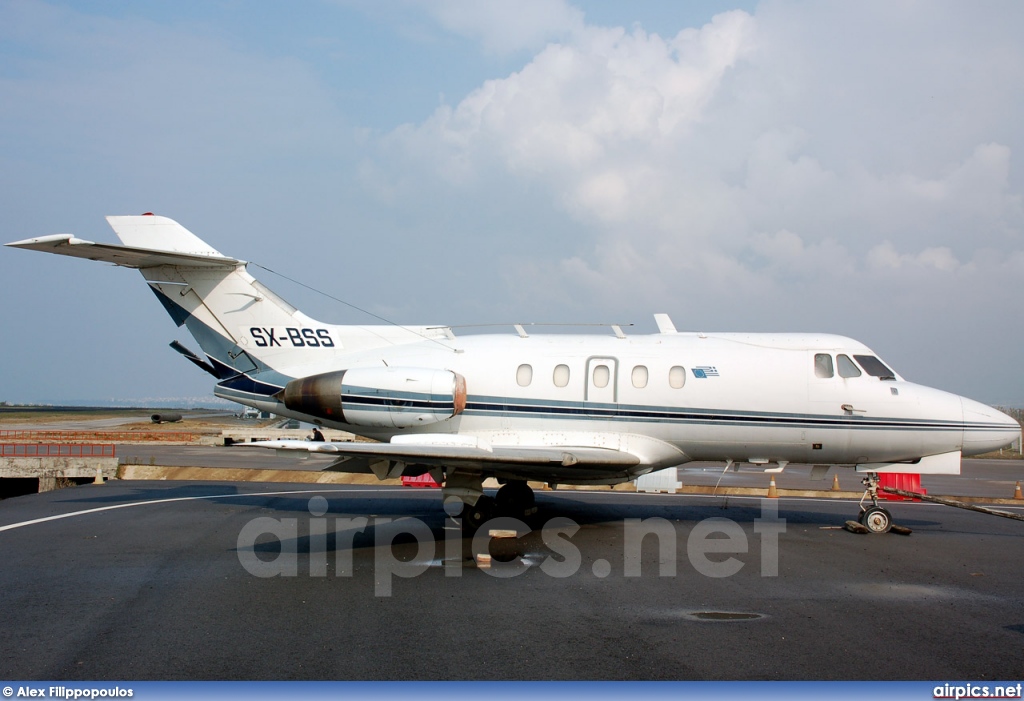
x=242 y=326
x=256 y=342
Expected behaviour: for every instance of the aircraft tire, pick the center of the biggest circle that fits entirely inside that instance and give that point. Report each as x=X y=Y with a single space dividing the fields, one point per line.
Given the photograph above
x=478 y=514
x=514 y=497
x=876 y=519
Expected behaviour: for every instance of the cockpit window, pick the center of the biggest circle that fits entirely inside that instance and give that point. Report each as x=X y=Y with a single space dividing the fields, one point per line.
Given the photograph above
x=875 y=367
x=846 y=367
x=823 y=365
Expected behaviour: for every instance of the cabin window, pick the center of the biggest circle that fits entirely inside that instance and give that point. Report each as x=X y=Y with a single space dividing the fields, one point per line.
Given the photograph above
x=640 y=376
x=677 y=377
x=561 y=375
x=601 y=376
x=524 y=375
x=823 y=365
x=846 y=367
x=875 y=367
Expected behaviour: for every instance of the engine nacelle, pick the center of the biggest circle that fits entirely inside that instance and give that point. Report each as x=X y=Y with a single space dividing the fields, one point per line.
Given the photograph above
x=388 y=397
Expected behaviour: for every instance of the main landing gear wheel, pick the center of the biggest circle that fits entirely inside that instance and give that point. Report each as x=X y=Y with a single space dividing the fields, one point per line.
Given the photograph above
x=514 y=498
x=876 y=519
x=478 y=514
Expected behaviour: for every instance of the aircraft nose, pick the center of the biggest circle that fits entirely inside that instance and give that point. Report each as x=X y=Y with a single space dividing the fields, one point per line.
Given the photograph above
x=987 y=429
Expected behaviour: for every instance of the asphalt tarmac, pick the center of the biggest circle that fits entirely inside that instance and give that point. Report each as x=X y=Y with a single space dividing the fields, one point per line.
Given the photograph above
x=988 y=477
x=161 y=580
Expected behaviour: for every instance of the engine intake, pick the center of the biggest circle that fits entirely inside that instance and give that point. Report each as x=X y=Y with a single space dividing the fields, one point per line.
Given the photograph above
x=390 y=397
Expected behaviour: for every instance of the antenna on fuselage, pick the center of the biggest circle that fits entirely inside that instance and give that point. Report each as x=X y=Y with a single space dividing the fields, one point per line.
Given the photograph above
x=664 y=323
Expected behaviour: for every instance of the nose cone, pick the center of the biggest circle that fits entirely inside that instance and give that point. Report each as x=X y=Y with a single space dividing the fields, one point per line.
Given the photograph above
x=987 y=429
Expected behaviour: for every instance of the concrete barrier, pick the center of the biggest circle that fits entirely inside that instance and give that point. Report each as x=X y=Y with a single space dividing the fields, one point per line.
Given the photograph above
x=48 y=470
x=240 y=474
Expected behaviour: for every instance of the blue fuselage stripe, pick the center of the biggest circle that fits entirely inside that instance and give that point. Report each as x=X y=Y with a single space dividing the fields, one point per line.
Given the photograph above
x=711 y=417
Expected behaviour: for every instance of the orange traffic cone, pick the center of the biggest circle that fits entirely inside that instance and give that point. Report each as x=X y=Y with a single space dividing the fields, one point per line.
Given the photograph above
x=835 y=483
x=773 y=493
x=1016 y=491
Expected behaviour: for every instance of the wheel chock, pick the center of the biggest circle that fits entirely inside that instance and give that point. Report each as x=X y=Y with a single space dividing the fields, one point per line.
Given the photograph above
x=502 y=533
x=899 y=530
x=854 y=527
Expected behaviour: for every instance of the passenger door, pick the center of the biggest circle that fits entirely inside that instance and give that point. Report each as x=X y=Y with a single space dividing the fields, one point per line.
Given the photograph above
x=600 y=395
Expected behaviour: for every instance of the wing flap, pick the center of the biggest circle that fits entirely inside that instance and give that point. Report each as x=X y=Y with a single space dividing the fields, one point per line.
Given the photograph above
x=468 y=455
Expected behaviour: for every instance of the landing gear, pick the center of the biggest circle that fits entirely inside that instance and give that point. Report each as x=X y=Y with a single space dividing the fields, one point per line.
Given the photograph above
x=478 y=514
x=515 y=499
x=875 y=518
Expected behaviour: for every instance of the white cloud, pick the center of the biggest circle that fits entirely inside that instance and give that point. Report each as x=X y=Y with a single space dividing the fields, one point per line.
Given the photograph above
x=770 y=162
x=622 y=129
x=885 y=256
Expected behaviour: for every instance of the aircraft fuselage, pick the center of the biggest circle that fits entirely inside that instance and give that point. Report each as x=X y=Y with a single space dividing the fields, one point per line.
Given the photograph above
x=757 y=398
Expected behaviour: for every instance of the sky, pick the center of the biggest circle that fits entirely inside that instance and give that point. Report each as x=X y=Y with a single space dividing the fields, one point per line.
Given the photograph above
x=850 y=168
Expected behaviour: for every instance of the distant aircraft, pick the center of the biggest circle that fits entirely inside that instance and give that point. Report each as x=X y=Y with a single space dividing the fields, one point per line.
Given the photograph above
x=568 y=409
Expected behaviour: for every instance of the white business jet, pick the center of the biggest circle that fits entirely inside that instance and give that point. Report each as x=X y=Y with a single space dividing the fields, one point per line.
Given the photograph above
x=568 y=409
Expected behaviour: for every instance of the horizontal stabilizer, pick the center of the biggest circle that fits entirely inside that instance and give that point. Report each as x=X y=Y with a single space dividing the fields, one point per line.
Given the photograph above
x=125 y=256
x=149 y=241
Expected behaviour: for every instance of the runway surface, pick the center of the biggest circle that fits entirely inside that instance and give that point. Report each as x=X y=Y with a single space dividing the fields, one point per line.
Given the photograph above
x=153 y=580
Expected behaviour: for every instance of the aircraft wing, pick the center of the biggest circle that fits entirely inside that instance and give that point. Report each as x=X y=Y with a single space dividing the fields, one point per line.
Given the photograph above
x=525 y=462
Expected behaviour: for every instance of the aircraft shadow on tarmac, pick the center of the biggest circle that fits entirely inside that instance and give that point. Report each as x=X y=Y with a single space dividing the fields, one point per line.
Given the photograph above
x=425 y=506
x=389 y=513
x=86 y=495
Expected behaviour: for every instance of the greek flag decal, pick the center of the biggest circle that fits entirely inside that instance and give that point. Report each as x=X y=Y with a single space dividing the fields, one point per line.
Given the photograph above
x=705 y=371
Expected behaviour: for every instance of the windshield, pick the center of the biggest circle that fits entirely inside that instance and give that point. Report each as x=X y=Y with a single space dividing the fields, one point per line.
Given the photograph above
x=875 y=367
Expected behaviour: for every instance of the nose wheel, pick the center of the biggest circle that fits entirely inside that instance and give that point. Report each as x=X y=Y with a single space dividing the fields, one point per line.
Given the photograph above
x=874 y=518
